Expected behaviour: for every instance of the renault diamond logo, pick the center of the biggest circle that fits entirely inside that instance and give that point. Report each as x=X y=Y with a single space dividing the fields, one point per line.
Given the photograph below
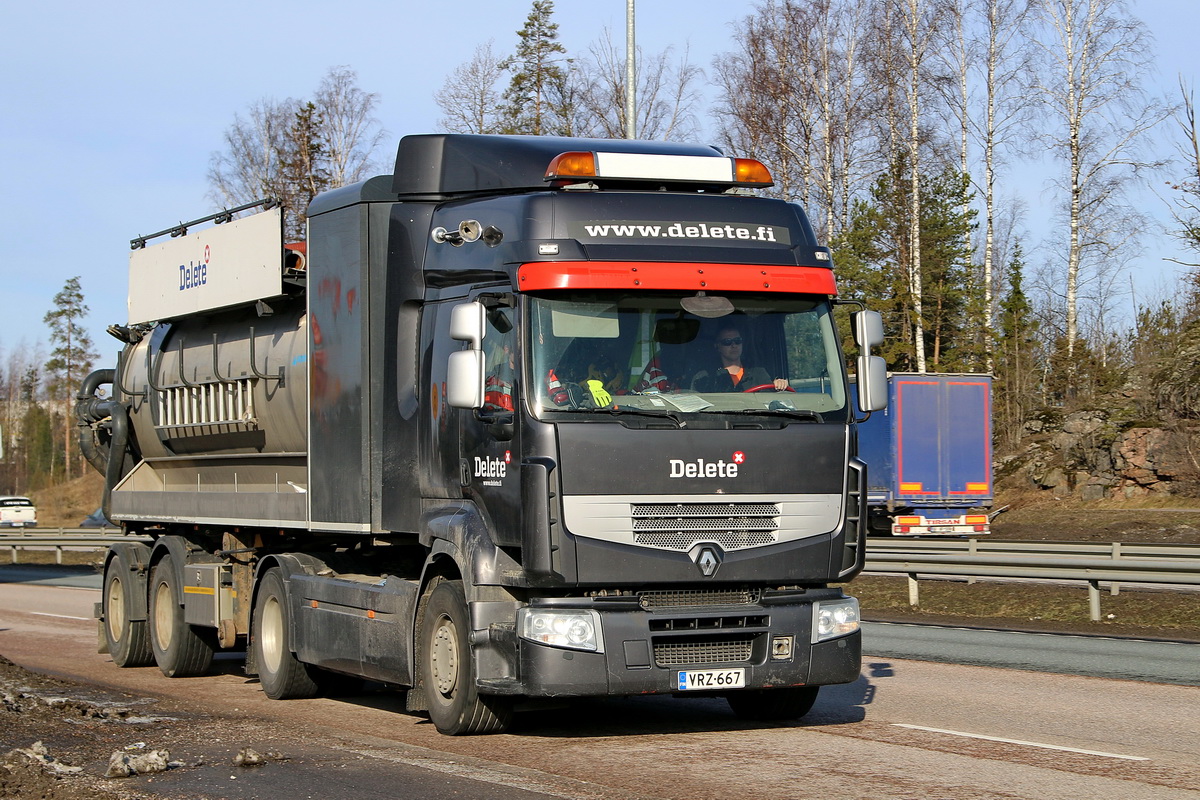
x=708 y=562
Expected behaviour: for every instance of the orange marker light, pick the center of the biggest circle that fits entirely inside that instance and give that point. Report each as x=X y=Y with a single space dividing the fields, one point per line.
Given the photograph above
x=748 y=172
x=572 y=165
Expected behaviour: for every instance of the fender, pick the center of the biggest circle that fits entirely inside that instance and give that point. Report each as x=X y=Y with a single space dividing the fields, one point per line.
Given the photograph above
x=290 y=565
x=134 y=559
x=461 y=534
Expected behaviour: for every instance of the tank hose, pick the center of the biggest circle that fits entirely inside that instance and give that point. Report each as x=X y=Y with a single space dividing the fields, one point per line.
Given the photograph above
x=89 y=409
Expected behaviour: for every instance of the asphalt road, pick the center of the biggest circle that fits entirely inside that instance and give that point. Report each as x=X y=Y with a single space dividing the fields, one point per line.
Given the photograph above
x=905 y=728
x=1094 y=656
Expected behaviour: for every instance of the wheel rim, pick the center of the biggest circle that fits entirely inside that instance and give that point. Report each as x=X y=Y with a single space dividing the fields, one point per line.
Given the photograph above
x=164 y=616
x=115 y=605
x=443 y=657
x=271 y=635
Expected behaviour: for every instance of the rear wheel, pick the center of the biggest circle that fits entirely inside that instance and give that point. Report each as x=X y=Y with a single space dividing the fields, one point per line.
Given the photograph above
x=455 y=705
x=281 y=674
x=128 y=640
x=773 y=704
x=180 y=650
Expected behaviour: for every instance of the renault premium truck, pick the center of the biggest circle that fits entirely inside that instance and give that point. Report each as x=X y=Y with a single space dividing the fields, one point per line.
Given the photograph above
x=475 y=438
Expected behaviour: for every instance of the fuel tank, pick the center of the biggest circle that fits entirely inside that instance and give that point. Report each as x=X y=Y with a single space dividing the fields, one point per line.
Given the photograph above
x=228 y=383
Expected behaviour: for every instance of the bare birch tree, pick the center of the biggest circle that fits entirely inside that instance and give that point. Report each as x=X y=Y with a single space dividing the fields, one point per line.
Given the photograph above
x=1187 y=204
x=667 y=92
x=919 y=21
x=1098 y=56
x=350 y=132
x=290 y=149
x=469 y=98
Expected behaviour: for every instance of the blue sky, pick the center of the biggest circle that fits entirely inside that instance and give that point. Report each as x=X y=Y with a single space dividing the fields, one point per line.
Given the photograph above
x=109 y=112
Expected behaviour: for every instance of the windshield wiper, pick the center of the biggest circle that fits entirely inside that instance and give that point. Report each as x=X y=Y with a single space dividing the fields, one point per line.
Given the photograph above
x=617 y=411
x=778 y=408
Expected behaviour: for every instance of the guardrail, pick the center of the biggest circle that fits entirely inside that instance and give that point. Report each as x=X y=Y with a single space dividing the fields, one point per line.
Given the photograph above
x=62 y=539
x=1093 y=564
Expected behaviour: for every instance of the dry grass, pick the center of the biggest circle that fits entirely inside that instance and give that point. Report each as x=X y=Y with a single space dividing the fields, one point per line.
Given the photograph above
x=1058 y=608
x=63 y=506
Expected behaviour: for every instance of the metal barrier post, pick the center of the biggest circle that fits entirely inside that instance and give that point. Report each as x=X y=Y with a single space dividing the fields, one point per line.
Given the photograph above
x=1094 y=600
x=1115 y=588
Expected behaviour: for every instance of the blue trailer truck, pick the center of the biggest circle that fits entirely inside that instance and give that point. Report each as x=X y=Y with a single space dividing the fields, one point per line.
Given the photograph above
x=929 y=456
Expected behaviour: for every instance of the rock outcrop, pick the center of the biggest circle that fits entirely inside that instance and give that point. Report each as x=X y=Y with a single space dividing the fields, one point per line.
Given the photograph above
x=1087 y=455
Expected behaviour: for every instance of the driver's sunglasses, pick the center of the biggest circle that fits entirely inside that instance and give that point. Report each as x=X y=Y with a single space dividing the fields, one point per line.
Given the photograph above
x=729 y=342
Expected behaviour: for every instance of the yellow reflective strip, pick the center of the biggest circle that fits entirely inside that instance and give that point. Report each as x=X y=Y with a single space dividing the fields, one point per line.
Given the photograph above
x=198 y=590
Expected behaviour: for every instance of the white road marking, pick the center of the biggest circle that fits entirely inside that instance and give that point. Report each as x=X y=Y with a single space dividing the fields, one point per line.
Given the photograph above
x=59 y=616
x=1018 y=741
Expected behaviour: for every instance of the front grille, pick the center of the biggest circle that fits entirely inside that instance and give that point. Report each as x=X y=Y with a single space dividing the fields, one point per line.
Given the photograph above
x=693 y=598
x=694 y=652
x=678 y=526
x=728 y=540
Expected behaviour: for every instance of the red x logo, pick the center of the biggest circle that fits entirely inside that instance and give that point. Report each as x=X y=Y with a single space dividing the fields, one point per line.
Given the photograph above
x=739 y=457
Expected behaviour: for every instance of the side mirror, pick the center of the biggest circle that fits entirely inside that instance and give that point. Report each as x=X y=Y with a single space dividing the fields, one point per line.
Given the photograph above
x=872 y=383
x=868 y=329
x=466 y=324
x=464 y=379
x=464 y=372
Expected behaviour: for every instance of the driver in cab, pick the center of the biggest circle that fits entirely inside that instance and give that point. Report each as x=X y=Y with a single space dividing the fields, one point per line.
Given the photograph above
x=732 y=375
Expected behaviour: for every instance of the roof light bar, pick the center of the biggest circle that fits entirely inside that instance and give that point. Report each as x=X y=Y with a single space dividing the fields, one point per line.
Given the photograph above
x=650 y=167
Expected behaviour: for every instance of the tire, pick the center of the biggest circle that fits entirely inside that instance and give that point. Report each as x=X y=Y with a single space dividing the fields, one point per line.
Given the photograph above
x=128 y=640
x=455 y=706
x=281 y=674
x=773 y=704
x=180 y=650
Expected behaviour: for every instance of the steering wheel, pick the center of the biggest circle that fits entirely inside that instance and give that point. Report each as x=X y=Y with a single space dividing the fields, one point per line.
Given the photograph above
x=765 y=386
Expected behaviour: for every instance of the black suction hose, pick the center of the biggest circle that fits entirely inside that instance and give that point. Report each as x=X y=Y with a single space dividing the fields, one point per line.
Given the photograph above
x=89 y=409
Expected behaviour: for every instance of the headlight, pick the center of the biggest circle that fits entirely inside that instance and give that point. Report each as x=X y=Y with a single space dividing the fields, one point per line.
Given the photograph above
x=834 y=618
x=570 y=628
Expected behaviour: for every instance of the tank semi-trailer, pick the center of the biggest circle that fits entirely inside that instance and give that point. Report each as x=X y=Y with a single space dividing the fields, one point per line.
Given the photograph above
x=479 y=437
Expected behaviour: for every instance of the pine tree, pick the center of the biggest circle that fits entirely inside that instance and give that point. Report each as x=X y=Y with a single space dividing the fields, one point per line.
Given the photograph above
x=1016 y=361
x=533 y=102
x=71 y=356
x=872 y=254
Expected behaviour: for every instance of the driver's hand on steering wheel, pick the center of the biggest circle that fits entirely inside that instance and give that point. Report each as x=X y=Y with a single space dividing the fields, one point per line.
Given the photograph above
x=781 y=385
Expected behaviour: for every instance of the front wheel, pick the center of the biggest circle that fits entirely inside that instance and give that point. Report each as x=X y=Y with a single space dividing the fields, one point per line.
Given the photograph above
x=180 y=650
x=455 y=705
x=128 y=640
x=773 y=704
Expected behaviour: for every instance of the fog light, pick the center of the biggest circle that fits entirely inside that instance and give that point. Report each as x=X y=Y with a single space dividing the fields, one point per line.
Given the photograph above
x=834 y=618
x=573 y=629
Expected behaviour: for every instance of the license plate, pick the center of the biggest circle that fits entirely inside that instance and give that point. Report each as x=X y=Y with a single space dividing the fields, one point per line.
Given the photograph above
x=693 y=679
x=942 y=529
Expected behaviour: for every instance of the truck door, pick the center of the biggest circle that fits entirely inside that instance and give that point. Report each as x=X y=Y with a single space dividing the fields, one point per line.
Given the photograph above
x=489 y=438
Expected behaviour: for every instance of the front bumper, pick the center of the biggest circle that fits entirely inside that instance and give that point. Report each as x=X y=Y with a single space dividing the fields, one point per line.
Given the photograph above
x=644 y=652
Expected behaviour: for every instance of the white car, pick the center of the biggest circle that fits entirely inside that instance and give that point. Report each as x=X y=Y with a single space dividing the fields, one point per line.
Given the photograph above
x=17 y=512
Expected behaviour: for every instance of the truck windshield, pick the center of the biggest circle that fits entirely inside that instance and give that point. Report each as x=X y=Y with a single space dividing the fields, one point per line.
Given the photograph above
x=682 y=354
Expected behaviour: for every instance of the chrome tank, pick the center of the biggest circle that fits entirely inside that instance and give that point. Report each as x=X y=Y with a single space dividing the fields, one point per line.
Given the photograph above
x=193 y=390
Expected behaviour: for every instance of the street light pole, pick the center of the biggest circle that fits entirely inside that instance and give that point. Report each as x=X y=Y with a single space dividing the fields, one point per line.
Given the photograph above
x=630 y=74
